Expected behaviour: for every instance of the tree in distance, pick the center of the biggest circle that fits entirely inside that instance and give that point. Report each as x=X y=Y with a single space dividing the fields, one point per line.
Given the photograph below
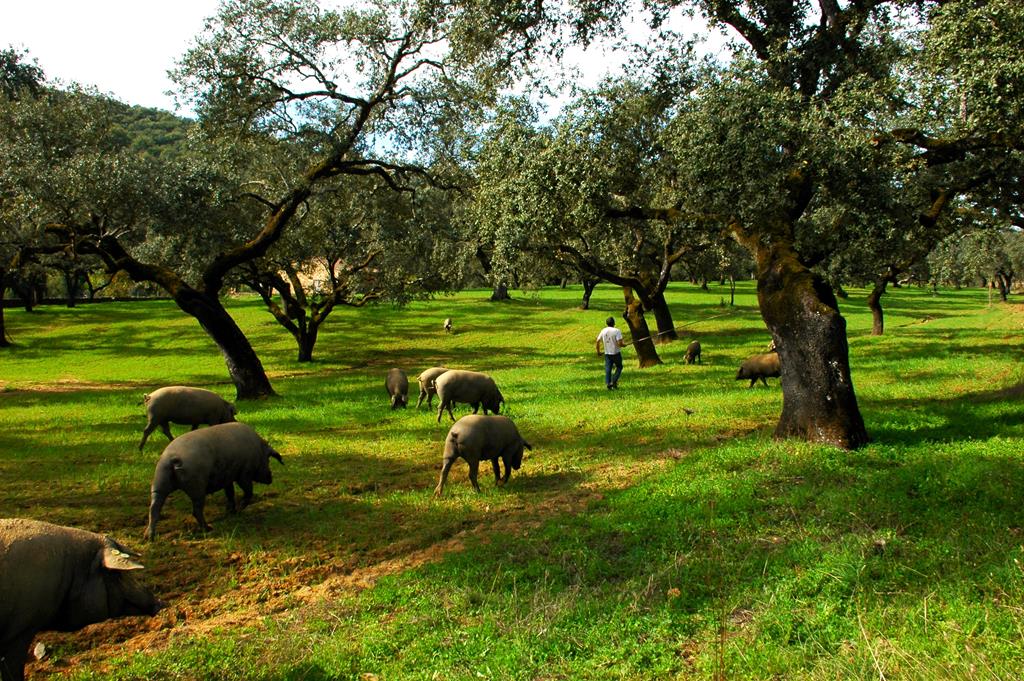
x=359 y=90
x=784 y=146
x=362 y=244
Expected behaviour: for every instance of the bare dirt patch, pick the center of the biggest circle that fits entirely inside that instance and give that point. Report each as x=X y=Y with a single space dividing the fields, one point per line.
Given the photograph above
x=191 y=614
x=66 y=385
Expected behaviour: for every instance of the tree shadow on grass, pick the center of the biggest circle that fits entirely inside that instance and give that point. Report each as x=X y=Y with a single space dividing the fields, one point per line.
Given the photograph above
x=851 y=532
x=774 y=531
x=980 y=415
x=959 y=344
x=111 y=330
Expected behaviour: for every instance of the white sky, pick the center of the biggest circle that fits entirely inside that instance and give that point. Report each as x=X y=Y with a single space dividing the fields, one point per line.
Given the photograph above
x=125 y=47
x=122 y=47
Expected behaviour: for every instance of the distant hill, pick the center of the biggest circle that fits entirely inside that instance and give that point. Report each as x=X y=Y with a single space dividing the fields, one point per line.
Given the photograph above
x=149 y=131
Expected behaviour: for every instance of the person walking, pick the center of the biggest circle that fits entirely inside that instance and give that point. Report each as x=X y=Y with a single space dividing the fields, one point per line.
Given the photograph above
x=611 y=339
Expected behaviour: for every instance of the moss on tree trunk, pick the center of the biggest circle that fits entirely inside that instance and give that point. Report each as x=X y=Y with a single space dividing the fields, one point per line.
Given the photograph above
x=800 y=309
x=875 y=305
x=646 y=353
x=500 y=293
x=663 y=317
x=589 y=284
x=306 y=341
x=243 y=364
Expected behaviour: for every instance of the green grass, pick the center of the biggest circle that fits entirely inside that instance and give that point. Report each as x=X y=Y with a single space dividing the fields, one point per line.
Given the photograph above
x=637 y=541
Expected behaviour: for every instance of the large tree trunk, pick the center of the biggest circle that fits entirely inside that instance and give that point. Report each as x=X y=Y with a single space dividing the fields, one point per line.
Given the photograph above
x=303 y=328
x=1004 y=282
x=875 y=305
x=72 y=286
x=292 y=313
x=501 y=289
x=243 y=364
x=306 y=341
x=801 y=311
x=500 y=293
x=589 y=285
x=663 y=317
x=27 y=295
x=638 y=329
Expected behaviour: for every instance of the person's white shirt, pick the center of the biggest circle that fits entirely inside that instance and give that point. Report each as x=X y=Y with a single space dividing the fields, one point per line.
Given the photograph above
x=611 y=338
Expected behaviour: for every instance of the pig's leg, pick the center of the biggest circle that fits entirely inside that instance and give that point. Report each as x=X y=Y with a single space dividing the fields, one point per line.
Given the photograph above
x=444 y=476
x=156 y=503
x=198 y=503
x=12 y=660
x=246 y=486
x=229 y=493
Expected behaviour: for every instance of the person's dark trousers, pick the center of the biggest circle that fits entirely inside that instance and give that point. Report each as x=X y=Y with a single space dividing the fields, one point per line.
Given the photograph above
x=609 y=362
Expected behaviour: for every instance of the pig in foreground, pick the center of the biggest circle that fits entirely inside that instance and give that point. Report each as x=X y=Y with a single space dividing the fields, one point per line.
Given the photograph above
x=759 y=366
x=397 y=386
x=55 y=578
x=469 y=387
x=184 y=405
x=427 y=387
x=693 y=353
x=448 y=325
x=474 y=438
x=204 y=461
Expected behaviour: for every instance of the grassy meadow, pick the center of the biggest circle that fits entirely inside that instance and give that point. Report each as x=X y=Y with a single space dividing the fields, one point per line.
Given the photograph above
x=655 y=532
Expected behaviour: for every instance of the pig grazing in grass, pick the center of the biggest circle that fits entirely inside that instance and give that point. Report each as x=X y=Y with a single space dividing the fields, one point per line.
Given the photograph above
x=475 y=438
x=208 y=460
x=397 y=386
x=759 y=366
x=693 y=353
x=427 y=387
x=448 y=325
x=469 y=387
x=56 y=578
x=184 y=405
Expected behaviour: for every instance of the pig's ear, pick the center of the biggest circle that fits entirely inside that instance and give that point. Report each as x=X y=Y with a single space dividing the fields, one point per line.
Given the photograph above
x=116 y=557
